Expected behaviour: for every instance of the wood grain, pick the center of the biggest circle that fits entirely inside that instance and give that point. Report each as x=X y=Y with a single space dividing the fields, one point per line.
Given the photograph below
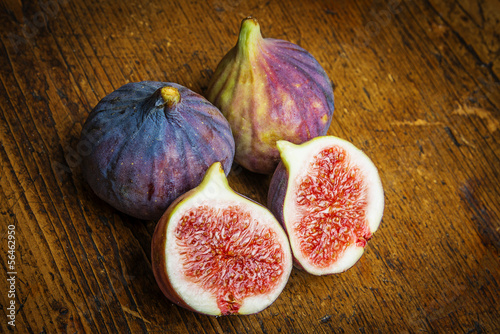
x=416 y=87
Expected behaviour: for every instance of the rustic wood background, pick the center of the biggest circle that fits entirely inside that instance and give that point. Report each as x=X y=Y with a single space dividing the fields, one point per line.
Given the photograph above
x=416 y=87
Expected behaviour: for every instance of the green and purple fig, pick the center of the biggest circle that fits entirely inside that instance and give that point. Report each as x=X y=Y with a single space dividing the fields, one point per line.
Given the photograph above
x=269 y=90
x=150 y=142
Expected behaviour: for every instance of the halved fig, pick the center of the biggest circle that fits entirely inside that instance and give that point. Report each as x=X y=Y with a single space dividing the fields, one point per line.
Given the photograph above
x=218 y=253
x=328 y=195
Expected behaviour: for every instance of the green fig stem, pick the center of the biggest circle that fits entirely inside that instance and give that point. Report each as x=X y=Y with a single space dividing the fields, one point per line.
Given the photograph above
x=170 y=96
x=249 y=37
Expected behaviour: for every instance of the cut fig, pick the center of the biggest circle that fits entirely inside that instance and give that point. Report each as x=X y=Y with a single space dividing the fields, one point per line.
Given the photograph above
x=218 y=253
x=328 y=196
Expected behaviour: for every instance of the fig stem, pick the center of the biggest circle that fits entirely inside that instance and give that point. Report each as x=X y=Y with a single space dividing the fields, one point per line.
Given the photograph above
x=249 y=36
x=170 y=96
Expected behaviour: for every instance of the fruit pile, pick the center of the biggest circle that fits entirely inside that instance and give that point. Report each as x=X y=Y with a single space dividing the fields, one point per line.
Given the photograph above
x=161 y=151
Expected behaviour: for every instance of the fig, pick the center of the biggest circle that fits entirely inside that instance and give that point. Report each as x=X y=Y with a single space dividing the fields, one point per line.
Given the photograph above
x=218 y=253
x=149 y=142
x=328 y=196
x=270 y=90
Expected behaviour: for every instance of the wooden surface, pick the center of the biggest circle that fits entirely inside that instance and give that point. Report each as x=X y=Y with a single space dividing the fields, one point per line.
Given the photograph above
x=416 y=87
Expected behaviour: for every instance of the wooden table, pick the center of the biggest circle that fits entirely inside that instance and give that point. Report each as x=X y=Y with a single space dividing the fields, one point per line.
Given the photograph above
x=416 y=87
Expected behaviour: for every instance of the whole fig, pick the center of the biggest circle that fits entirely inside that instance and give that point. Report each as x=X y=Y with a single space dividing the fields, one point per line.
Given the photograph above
x=270 y=90
x=151 y=142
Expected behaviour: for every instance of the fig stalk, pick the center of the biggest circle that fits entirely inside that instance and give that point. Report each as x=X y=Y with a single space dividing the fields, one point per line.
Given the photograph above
x=170 y=96
x=249 y=37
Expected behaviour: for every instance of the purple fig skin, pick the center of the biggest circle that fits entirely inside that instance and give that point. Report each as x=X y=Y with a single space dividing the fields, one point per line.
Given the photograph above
x=270 y=89
x=149 y=145
x=277 y=192
x=276 y=198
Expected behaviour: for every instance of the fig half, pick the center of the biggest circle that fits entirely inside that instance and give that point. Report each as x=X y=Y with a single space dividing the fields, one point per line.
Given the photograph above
x=328 y=195
x=218 y=253
x=270 y=89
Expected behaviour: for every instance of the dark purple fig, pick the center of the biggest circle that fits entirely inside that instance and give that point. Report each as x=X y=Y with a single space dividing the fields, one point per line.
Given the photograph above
x=270 y=90
x=152 y=142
